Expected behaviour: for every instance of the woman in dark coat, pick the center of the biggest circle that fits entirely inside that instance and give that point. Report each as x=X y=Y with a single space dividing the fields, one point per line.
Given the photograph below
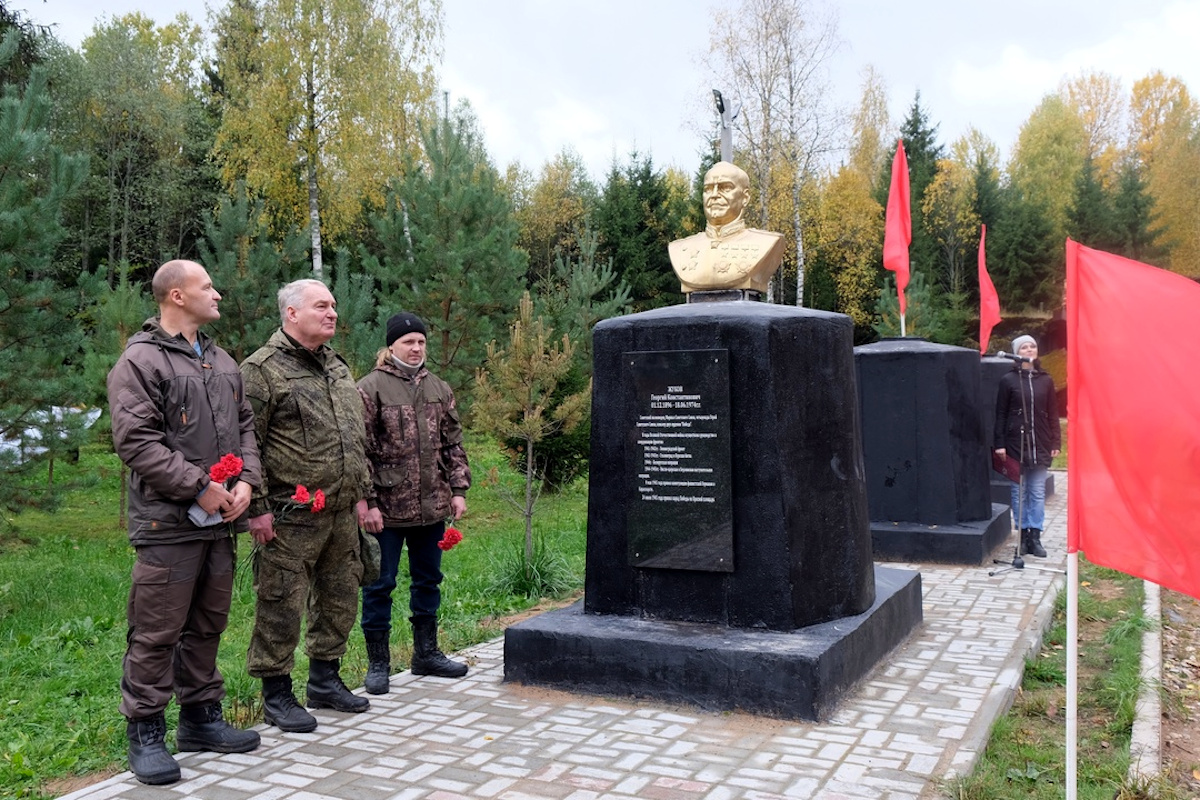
x=1027 y=430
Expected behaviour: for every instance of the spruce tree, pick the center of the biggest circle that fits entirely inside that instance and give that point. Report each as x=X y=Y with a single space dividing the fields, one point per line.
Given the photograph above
x=635 y=224
x=39 y=338
x=1091 y=220
x=450 y=252
x=1133 y=215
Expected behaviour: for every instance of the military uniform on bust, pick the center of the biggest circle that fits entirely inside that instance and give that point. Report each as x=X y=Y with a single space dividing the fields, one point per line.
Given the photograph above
x=727 y=255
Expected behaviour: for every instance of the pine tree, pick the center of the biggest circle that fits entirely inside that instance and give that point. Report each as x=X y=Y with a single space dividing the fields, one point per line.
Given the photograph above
x=516 y=399
x=39 y=338
x=573 y=298
x=450 y=252
x=117 y=314
x=248 y=266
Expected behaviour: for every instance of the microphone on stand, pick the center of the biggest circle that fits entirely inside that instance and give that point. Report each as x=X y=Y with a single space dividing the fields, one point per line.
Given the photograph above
x=1014 y=357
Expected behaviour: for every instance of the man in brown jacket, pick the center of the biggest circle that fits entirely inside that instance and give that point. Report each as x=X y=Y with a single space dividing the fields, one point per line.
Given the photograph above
x=177 y=408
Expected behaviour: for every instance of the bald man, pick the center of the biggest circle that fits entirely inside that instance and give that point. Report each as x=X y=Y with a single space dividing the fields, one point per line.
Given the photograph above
x=177 y=407
x=727 y=255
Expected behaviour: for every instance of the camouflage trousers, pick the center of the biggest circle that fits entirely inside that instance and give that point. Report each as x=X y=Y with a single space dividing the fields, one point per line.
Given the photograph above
x=312 y=565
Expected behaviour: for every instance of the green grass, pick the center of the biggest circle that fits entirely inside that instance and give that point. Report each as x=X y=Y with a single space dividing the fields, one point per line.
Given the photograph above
x=64 y=581
x=1026 y=754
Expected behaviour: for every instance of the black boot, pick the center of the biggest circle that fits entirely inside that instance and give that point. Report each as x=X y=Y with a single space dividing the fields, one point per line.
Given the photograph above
x=427 y=658
x=204 y=728
x=281 y=709
x=1024 y=542
x=379 y=662
x=326 y=690
x=1034 y=543
x=148 y=757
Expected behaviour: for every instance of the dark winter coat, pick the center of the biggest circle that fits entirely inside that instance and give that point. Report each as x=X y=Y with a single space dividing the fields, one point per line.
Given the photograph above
x=174 y=414
x=414 y=445
x=1027 y=391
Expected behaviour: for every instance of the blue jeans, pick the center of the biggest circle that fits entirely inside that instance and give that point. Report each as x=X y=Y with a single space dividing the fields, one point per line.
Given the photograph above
x=1033 y=510
x=425 y=570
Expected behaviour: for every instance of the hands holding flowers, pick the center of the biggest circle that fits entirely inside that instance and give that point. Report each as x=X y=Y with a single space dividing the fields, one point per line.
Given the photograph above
x=262 y=527
x=219 y=503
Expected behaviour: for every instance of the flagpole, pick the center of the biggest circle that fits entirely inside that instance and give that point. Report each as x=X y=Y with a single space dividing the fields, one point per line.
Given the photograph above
x=902 y=334
x=1072 y=671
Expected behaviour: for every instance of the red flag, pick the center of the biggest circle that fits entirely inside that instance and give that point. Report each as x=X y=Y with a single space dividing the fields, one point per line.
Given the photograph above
x=897 y=234
x=989 y=301
x=1133 y=408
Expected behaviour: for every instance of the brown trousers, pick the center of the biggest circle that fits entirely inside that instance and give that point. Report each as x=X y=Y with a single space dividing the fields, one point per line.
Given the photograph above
x=178 y=608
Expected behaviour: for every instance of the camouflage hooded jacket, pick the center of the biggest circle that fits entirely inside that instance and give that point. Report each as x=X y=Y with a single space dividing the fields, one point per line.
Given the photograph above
x=308 y=420
x=414 y=445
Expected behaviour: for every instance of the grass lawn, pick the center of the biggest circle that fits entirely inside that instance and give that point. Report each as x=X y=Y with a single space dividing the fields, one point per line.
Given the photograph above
x=64 y=581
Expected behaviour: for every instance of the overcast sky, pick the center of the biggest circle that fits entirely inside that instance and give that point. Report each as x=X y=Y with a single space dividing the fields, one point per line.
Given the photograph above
x=607 y=76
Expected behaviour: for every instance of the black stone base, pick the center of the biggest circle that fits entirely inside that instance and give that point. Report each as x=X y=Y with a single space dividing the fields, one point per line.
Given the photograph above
x=964 y=543
x=800 y=674
x=1001 y=494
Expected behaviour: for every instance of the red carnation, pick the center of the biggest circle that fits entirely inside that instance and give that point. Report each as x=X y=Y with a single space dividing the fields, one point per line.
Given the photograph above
x=318 y=502
x=301 y=496
x=451 y=537
x=230 y=466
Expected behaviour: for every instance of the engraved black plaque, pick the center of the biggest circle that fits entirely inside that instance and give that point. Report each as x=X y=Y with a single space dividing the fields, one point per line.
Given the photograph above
x=680 y=512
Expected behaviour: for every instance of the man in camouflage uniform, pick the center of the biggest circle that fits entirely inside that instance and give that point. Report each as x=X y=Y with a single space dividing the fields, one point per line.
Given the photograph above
x=421 y=477
x=309 y=425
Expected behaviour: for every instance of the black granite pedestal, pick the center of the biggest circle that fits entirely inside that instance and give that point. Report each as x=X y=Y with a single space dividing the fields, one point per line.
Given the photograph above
x=927 y=464
x=729 y=549
x=798 y=674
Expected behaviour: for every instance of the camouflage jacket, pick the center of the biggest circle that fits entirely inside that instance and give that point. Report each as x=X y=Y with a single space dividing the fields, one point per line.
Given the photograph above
x=414 y=445
x=308 y=420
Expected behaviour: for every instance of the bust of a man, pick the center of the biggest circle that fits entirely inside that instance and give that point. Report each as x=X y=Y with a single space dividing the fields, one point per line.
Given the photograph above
x=727 y=255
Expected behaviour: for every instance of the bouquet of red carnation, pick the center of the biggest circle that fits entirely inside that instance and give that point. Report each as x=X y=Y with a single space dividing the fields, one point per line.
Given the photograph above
x=301 y=498
x=451 y=537
x=225 y=470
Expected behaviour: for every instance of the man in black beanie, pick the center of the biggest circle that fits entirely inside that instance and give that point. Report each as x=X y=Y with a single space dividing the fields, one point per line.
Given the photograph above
x=420 y=478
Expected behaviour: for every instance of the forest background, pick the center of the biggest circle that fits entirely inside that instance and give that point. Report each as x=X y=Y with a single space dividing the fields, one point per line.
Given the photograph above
x=295 y=138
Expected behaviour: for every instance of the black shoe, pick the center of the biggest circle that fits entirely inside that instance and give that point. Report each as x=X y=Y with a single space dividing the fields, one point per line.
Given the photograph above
x=427 y=658
x=1034 y=543
x=326 y=690
x=148 y=757
x=281 y=709
x=379 y=666
x=204 y=728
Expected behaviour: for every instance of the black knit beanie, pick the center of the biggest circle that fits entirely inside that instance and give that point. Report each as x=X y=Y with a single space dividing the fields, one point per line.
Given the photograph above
x=404 y=323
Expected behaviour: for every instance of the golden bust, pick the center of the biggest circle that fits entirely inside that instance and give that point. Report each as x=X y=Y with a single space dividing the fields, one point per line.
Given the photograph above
x=728 y=255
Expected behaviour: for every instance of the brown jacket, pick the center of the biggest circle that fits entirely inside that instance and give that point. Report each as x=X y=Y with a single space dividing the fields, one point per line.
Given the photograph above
x=414 y=445
x=174 y=415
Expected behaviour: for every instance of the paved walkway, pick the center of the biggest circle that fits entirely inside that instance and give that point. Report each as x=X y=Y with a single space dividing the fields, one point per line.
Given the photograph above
x=920 y=717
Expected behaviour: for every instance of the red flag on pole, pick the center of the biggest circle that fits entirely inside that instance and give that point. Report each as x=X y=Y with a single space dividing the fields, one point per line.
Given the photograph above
x=989 y=301
x=1133 y=412
x=897 y=233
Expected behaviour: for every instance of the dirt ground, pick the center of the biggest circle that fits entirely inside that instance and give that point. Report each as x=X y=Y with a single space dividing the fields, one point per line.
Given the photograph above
x=1181 y=690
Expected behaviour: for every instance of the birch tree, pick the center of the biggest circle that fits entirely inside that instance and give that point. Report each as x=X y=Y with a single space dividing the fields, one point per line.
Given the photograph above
x=771 y=55
x=322 y=111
